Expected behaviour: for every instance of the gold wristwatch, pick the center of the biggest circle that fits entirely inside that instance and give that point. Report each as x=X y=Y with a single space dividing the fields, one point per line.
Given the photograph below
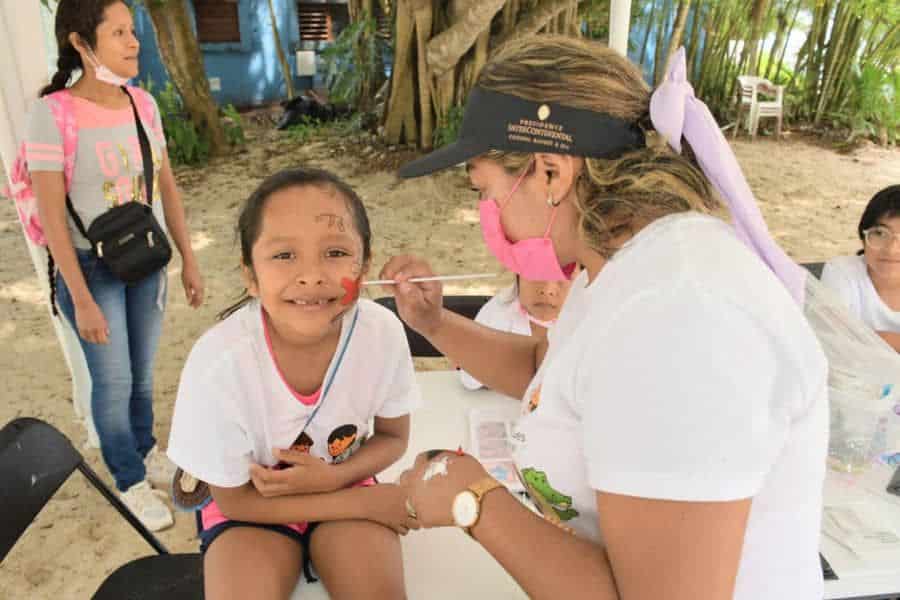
x=466 y=507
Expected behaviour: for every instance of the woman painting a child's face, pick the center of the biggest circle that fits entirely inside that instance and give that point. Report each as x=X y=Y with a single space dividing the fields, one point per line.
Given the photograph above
x=307 y=244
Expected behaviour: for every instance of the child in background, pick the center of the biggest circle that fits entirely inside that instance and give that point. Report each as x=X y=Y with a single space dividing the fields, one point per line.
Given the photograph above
x=869 y=283
x=527 y=307
x=287 y=379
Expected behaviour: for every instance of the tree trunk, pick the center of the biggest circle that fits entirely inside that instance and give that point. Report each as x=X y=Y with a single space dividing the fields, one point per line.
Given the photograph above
x=400 y=117
x=534 y=20
x=424 y=16
x=647 y=32
x=285 y=67
x=787 y=40
x=748 y=54
x=446 y=48
x=180 y=53
x=510 y=16
x=780 y=33
x=836 y=46
x=661 y=38
x=694 y=40
x=683 y=8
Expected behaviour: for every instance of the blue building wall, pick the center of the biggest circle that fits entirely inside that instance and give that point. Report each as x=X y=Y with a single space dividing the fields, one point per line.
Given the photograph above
x=248 y=71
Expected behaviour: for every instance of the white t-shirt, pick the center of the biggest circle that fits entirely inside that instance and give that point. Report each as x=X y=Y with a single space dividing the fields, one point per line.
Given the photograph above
x=502 y=313
x=848 y=276
x=233 y=405
x=685 y=371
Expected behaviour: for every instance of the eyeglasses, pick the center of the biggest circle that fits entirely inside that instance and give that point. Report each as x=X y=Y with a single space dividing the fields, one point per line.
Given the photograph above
x=879 y=237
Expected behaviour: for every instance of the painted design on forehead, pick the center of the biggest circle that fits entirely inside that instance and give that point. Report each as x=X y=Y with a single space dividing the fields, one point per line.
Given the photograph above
x=334 y=221
x=351 y=286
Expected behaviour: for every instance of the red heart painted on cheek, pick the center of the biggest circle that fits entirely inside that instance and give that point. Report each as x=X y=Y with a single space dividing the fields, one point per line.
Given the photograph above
x=352 y=288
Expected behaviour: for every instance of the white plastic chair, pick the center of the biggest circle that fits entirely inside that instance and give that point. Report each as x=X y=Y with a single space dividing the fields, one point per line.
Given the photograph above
x=749 y=89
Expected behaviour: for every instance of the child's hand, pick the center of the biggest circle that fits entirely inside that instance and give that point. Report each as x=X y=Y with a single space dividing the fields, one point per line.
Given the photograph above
x=304 y=474
x=389 y=508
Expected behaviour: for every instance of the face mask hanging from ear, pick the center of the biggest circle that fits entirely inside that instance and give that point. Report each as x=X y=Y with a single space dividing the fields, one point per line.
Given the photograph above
x=103 y=73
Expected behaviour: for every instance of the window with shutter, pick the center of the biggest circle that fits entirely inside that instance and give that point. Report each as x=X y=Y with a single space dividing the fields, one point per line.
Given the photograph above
x=320 y=21
x=217 y=21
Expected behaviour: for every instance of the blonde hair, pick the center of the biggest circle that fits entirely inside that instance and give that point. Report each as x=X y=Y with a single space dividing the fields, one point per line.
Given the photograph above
x=614 y=197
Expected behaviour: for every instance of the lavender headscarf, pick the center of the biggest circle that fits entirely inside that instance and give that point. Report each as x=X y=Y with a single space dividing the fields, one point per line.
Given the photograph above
x=675 y=111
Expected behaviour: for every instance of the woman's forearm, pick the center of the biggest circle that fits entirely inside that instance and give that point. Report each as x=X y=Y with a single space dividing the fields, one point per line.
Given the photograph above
x=505 y=362
x=176 y=222
x=49 y=187
x=546 y=561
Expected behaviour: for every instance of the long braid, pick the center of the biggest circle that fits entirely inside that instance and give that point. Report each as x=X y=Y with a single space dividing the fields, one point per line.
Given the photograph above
x=68 y=61
x=51 y=278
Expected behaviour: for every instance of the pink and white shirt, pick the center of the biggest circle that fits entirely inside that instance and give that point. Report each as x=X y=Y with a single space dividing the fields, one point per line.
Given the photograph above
x=108 y=167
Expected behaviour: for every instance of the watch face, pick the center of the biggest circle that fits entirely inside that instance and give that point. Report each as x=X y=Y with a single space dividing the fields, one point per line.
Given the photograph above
x=465 y=509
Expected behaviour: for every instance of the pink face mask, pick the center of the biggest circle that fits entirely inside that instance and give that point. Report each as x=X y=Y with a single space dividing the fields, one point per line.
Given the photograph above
x=532 y=258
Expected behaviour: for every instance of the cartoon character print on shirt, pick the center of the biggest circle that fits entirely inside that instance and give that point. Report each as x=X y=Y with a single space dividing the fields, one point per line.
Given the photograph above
x=342 y=442
x=303 y=443
x=537 y=484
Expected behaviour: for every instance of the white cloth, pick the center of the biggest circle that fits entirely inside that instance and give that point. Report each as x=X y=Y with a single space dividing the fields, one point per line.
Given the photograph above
x=233 y=406
x=686 y=371
x=849 y=278
x=502 y=313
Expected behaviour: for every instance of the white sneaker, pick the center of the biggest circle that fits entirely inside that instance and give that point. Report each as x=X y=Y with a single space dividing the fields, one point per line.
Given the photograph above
x=160 y=470
x=147 y=507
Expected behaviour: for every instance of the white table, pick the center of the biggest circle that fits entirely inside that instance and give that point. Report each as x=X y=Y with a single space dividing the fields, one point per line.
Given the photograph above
x=876 y=576
x=445 y=564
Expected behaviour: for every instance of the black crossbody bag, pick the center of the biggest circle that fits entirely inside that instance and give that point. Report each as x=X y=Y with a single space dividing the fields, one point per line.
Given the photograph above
x=127 y=238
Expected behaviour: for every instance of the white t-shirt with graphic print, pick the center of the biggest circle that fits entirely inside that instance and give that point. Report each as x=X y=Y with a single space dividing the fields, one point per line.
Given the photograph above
x=849 y=277
x=233 y=406
x=108 y=159
x=502 y=313
x=686 y=372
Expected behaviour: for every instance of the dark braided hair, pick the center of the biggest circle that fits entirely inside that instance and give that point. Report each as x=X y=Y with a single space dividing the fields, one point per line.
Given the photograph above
x=81 y=17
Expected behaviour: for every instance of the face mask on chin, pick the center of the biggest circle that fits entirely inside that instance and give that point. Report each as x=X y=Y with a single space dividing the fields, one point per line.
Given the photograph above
x=103 y=73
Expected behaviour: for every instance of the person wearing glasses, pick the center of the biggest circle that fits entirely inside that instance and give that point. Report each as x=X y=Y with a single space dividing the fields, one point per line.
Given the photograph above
x=869 y=283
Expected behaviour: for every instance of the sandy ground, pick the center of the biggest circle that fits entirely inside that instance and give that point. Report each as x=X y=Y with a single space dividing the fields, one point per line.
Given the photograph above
x=811 y=197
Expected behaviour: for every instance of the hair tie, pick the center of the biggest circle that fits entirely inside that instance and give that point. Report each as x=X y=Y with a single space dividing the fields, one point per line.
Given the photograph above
x=676 y=112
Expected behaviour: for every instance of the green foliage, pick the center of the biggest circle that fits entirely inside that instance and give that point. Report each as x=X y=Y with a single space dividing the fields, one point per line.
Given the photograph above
x=594 y=15
x=185 y=145
x=447 y=129
x=873 y=104
x=353 y=63
x=302 y=132
x=234 y=126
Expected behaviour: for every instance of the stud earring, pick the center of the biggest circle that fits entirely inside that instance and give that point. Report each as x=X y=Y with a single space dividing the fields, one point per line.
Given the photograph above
x=551 y=201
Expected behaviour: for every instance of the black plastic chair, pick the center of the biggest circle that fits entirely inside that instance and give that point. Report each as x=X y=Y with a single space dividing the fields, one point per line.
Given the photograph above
x=466 y=306
x=35 y=460
x=814 y=268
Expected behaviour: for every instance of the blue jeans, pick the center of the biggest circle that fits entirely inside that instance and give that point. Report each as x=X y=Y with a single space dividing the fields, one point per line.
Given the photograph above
x=122 y=370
